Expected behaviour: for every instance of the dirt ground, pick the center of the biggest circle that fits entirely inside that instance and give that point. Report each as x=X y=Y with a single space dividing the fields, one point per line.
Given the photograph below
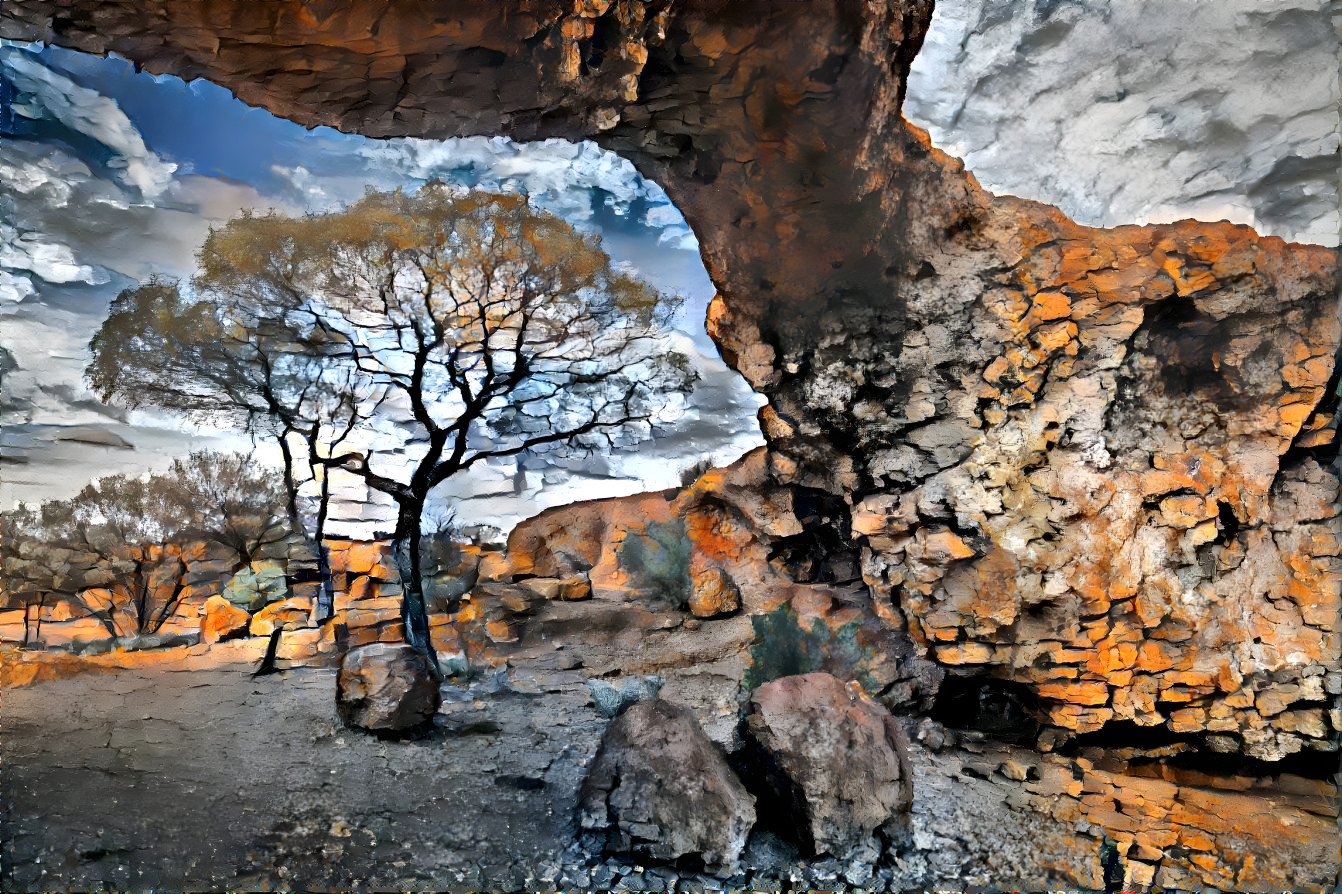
x=198 y=776
x=187 y=773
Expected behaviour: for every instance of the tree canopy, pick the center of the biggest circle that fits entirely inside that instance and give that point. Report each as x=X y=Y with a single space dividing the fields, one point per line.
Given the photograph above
x=403 y=340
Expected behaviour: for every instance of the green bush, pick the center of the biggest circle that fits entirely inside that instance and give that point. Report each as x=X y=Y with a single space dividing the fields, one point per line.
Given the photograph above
x=660 y=559
x=784 y=648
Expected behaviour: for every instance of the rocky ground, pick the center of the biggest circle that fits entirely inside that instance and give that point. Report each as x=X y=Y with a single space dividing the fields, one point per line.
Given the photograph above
x=183 y=771
x=193 y=774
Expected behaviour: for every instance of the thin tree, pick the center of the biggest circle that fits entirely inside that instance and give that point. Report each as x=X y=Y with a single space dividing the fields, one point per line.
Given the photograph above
x=253 y=361
x=469 y=327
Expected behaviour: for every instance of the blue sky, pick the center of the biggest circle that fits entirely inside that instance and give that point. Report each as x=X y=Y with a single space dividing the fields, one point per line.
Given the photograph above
x=111 y=175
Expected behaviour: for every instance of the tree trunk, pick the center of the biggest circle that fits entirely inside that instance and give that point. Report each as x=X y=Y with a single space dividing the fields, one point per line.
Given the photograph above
x=326 y=595
x=409 y=560
x=37 y=631
x=290 y=486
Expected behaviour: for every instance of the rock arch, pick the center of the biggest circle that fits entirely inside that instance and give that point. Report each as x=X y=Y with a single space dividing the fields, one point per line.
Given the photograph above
x=1093 y=462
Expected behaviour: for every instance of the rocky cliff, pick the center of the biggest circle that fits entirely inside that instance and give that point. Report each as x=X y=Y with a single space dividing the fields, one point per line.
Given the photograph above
x=1090 y=467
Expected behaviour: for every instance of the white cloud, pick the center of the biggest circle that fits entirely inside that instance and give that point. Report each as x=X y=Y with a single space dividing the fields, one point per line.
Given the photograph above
x=50 y=260
x=558 y=175
x=44 y=92
x=14 y=287
x=75 y=222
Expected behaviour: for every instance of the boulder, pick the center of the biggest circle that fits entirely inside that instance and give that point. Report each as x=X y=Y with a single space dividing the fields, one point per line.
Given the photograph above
x=830 y=762
x=287 y=614
x=386 y=687
x=222 y=620
x=660 y=789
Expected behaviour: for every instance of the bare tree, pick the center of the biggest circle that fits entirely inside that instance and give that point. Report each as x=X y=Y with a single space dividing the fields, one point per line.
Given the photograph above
x=466 y=327
x=253 y=360
x=115 y=547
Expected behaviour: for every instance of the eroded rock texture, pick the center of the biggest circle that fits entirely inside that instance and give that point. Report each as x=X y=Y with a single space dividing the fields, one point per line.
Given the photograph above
x=660 y=788
x=834 y=763
x=1094 y=463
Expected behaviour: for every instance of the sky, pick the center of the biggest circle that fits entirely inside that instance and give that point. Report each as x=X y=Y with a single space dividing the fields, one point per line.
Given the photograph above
x=110 y=176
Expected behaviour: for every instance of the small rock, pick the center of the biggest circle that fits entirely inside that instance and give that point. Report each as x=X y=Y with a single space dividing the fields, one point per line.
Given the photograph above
x=286 y=614
x=831 y=757
x=574 y=589
x=932 y=735
x=659 y=788
x=544 y=587
x=611 y=701
x=222 y=620
x=713 y=594
x=386 y=686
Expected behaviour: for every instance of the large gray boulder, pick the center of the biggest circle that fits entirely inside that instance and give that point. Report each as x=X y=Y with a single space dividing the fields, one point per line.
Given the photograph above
x=659 y=788
x=386 y=687
x=829 y=763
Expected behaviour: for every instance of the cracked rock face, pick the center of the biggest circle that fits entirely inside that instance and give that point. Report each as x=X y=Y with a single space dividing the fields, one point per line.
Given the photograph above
x=833 y=762
x=660 y=788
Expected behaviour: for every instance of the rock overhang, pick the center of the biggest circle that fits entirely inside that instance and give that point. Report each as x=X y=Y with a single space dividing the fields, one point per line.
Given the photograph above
x=1041 y=430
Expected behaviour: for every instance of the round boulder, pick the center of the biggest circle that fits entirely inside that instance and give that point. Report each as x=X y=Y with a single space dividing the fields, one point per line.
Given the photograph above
x=659 y=788
x=828 y=761
x=386 y=687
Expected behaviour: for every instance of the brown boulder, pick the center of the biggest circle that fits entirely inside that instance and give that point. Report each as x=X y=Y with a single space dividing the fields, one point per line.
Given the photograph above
x=659 y=788
x=386 y=686
x=222 y=620
x=712 y=593
x=829 y=759
x=286 y=614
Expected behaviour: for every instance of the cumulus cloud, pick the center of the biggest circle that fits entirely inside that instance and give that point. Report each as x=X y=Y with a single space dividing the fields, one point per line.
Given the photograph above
x=1122 y=111
x=43 y=92
x=559 y=176
x=52 y=261
x=14 y=287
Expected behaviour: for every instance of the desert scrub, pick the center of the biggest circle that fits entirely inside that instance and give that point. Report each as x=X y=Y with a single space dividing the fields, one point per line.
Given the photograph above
x=659 y=559
x=783 y=648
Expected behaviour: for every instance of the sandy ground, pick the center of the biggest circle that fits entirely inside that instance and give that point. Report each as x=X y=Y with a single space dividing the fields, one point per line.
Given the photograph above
x=188 y=774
